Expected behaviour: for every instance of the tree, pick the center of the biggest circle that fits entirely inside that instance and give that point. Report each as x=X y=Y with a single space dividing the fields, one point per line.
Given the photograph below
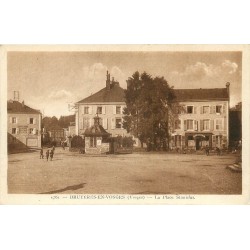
x=149 y=109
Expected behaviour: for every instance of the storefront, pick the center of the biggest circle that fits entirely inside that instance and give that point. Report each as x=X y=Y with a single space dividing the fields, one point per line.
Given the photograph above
x=198 y=141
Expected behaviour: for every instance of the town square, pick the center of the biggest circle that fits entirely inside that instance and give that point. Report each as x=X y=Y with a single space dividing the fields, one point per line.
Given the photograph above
x=98 y=124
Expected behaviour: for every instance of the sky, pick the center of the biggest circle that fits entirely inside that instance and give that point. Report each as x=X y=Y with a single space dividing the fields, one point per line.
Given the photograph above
x=49 y=81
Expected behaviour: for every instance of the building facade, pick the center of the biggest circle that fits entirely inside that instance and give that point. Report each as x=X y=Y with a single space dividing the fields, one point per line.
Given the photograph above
x=24 y=126
x=108 y=103
x=203 y=118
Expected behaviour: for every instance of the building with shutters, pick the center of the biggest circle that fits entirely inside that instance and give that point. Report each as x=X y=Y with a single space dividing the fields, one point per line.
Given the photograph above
x=108 y=103
x=24 y=126
x=203 y=118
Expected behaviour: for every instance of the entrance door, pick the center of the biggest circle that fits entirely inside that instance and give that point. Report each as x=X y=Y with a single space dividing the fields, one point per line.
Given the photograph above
x=198 y=143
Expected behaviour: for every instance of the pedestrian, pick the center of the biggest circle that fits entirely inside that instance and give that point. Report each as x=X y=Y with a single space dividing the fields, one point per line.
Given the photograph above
x=53 y=148
x=63 y=146
x=218 y=151
x=47 y=154
x=207 y=150
x=51 y=154
x=41 y=153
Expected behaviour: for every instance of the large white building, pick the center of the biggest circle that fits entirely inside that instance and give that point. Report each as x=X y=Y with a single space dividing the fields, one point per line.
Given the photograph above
x=203 y=119
x=108 y=103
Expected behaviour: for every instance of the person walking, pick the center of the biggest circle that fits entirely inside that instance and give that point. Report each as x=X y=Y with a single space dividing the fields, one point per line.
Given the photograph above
x=41 y=153
x=51 y=154
x=47 y=155
x=207 y=150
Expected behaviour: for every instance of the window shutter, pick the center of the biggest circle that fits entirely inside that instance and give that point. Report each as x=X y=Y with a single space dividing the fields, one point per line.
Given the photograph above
x=201 y=124
x=114 y=109
x=211 y=125
x=17 y=131
x=34 y=120
x=10 y=119
x=211 y=109
x=81 y=123
x=34 y=131
x=201 y=110
x=91 y=121
x=195 y=110
x=224 y=109
x=90 y=110
x=104 y=122
x=16 y=120
x=112 y=123
x=104 y=110
x=185 y=125
x=28 y=120
x=196 y=125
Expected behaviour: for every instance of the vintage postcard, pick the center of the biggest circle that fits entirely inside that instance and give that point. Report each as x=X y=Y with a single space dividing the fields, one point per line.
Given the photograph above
x=125 y=124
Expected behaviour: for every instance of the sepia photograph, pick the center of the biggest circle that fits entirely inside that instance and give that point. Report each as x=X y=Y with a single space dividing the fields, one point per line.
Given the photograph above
x=124 y=124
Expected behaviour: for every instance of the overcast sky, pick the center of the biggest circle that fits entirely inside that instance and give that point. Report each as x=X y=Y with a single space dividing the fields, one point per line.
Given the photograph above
x=50 y=80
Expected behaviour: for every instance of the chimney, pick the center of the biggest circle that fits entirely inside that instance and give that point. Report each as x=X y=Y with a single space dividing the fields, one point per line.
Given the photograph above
x=108 y=81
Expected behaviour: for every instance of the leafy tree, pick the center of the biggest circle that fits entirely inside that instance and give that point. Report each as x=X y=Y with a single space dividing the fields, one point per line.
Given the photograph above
x=149 y=111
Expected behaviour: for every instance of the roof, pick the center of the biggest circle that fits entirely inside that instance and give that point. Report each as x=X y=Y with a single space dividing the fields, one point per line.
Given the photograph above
x=18 y=107
x=201 y=94
x=115 y=94
x=96 y=130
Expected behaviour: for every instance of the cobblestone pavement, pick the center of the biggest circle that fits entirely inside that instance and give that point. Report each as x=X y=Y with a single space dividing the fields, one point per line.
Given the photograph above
x=137 y=173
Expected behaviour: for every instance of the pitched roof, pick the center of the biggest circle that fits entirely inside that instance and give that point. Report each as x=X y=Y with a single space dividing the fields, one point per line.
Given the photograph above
x=20 y=108
x=201 y=94
x=96 y=130
x=115 y=94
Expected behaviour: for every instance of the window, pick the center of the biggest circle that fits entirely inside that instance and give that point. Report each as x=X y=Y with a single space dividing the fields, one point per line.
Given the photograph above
x=190 y=124
x=218 y=109
x=32 y=131
x=14 y=131
x=32 y=121
x=99 y=110
x=205 y=110
x=177 y=124
x=218 y=124
x=86 y=122
x=86 y=110
x=206 y=124
x=14 y=120
x=118 y=109
x=118 y=123
x=190 y=109
x=92 y=142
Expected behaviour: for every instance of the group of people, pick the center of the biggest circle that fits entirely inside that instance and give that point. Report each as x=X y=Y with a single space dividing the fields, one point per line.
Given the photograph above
x=49 y=153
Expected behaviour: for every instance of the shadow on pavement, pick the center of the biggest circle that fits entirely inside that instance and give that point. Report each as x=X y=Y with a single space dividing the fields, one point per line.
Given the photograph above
x=75 y=187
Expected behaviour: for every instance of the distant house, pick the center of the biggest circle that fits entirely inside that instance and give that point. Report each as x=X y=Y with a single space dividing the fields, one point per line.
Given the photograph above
x=204 y=120
x=24 y=126
x=108 y=103
x=56 y=135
